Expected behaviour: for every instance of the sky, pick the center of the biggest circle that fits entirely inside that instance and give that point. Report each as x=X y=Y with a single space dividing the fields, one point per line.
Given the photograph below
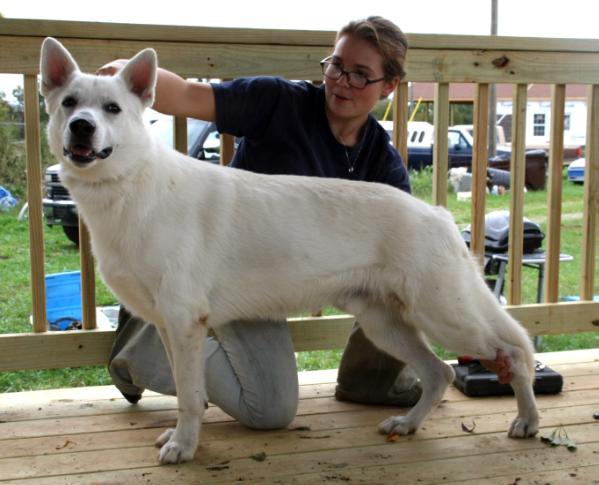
x=526 y=18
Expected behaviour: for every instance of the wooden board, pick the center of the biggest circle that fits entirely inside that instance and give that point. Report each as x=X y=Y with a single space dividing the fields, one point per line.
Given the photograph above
x=92 y=435
x=80 y=348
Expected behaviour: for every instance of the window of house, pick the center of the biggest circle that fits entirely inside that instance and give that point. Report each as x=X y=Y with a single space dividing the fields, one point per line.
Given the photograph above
x=538 y=128
x=567 y=121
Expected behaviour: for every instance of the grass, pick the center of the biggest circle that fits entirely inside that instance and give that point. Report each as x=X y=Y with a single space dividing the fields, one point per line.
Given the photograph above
x=61 y=255
x=15 y=301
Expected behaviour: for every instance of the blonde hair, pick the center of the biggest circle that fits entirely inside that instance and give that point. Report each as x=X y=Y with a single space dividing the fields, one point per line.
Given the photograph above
x=386 y=37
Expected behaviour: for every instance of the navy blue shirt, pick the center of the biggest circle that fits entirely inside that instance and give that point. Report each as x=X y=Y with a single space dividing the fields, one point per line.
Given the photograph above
x=284 y=130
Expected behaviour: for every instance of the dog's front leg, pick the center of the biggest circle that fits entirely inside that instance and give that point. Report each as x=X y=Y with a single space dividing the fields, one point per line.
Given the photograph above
x=185 y=341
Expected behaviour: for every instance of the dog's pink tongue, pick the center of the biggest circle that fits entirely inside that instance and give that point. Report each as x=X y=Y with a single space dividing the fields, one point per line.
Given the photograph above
x=81 y=150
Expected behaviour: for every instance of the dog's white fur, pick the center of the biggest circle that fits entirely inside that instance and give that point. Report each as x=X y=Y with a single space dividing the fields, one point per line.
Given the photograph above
x=187 y=245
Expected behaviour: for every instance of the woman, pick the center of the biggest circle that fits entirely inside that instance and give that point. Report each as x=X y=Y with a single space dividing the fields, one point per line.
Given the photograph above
x=286 y=128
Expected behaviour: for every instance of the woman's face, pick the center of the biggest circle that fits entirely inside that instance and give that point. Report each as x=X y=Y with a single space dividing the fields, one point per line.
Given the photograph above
x=344 y=101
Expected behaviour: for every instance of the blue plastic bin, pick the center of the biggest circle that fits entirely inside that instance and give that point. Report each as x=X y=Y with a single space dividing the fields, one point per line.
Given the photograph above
x=577 y=298
x=63 y=299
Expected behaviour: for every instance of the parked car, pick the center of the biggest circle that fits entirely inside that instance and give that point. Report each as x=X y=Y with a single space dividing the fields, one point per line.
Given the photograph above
x=203 y=143
x=500 y=139
x=459 y=148
x=576 y=171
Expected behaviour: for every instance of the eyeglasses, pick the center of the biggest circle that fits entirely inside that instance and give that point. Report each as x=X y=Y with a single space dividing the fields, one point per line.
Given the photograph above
x=355 y=79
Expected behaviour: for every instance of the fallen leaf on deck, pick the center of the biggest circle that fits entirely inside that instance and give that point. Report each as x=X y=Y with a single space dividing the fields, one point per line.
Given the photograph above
x=258 y=456
x=559 y=437
x=67 y=443
x=466 y=429
x=301 y=428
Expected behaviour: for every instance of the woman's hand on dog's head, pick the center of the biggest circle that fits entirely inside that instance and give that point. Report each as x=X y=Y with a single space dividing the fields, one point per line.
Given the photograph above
x=111 y=68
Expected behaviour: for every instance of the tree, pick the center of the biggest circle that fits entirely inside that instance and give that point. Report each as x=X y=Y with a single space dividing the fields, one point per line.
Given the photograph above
x=19 y=95
x=12 y=174
x=12 y=147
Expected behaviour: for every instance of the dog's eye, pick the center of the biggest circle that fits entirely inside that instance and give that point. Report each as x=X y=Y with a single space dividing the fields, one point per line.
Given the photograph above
x=112 y=108
x=69 y=102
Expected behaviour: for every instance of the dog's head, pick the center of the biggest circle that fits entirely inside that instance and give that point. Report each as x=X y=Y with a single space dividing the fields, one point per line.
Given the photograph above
x=96 y=122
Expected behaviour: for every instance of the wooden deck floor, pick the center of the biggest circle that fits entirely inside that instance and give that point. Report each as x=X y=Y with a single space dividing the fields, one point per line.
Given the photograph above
x=92 y=435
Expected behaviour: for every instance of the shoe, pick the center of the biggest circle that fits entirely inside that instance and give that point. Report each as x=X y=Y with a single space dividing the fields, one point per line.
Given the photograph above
x=133 y=399
x=370 y=376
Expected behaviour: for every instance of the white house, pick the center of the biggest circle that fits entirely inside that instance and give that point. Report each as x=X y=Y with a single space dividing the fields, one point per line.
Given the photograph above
x=538 y=111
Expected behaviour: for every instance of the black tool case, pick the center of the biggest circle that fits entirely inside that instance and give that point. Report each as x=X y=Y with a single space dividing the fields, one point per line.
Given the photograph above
x=475 y=381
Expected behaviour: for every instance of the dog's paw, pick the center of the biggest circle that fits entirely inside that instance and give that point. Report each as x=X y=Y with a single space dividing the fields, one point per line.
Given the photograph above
x=171 y=451
x=523 y=428
x=397 y=425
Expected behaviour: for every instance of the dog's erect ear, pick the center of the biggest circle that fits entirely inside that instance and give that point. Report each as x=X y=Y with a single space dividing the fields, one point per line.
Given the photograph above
x=56 y=65
x=139 y=75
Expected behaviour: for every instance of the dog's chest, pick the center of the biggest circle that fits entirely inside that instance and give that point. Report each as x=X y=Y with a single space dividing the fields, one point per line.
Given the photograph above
x=128 y=283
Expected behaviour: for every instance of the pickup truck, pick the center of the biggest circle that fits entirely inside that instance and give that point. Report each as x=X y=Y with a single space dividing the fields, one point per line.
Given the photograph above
x=59 y=208
x=459 y=146
x=460 y=143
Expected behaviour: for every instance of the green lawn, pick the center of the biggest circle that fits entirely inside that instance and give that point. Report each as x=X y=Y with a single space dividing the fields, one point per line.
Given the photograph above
x=61 y=255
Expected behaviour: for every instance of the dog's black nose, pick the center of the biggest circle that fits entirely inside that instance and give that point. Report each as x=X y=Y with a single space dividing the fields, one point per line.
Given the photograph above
x=82 y=127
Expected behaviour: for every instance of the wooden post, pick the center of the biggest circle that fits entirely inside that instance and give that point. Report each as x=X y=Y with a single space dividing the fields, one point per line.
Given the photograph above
x=227 y=148
x=400 y=121
x=34 y=199
x=517 y=170
x=554 y=192
x=180 y=134
x=440 y=162
x=88 y=278
x=591 y=197
x=479 y=171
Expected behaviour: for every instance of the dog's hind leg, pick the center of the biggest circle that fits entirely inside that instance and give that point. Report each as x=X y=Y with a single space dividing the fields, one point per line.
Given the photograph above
x=407 y=344
x=185 y=340
x=526 y=424
x=517 y=347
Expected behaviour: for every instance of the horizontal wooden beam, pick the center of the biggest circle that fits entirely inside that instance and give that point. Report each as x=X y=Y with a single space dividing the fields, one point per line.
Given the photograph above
x=81 y=348
x=497 y=66
x=320 y=333
x=556 y=318
x=160 y=33
x=227 y=35
x=54 y=350
x=20 y=55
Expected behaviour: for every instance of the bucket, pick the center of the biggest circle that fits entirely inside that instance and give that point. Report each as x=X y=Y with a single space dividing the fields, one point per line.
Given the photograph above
x=63 y=299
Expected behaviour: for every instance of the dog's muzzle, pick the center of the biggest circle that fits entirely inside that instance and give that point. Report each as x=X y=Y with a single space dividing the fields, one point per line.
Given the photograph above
x=80 y=149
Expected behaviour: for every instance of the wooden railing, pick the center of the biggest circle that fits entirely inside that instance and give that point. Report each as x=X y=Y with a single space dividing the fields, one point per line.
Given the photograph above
x=228 y=53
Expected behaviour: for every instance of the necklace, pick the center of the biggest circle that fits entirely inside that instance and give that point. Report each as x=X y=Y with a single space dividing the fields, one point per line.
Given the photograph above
x=351 y=160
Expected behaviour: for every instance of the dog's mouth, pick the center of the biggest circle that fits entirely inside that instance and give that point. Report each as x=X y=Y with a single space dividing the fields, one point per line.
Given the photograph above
x=83 y=154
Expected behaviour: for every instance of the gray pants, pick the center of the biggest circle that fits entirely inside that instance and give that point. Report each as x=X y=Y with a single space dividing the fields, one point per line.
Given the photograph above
x=250 y=375
x=251 y=372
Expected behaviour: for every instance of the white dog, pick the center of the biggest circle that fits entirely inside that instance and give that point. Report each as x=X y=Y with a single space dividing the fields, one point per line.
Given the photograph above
x=188 y=245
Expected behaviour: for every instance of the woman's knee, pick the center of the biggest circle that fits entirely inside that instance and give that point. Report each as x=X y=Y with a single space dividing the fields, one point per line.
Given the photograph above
x=270 y=414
